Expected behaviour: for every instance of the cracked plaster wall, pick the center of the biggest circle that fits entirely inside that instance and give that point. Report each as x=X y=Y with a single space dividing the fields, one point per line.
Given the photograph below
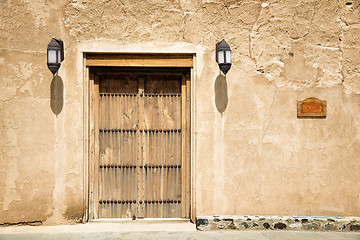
x=254 y=158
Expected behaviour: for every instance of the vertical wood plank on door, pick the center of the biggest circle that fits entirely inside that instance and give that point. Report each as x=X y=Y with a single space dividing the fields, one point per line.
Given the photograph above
x=183 y=143
x=172 y=122
x=178 y=162
x=116 y=145
x=160 y=126
x=94 y=141
x=140 y=148
x=187 y=164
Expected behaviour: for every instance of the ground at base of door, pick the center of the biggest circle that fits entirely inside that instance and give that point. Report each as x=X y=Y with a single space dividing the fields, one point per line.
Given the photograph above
x=102 y=231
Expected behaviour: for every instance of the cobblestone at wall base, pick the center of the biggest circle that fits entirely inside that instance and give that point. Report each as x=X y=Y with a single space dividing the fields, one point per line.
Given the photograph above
x=278 y=223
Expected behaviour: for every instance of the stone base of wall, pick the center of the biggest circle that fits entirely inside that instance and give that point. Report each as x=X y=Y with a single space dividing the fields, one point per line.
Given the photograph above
x=278 y=223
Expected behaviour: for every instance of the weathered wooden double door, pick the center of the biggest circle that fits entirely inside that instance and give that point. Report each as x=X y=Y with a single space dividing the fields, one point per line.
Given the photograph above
x=142 y=133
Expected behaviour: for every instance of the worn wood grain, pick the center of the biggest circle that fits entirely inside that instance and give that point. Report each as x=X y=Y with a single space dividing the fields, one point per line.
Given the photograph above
x=139 y=60
x=143 y=129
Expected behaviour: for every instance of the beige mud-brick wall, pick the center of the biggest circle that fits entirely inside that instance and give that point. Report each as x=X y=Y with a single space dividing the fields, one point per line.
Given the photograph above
x=255 y=157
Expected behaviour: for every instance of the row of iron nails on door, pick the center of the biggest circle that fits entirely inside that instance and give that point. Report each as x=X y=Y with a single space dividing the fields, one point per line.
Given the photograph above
x=134 y=130
x=133 y=166
x=142 y=94
x=134 y=201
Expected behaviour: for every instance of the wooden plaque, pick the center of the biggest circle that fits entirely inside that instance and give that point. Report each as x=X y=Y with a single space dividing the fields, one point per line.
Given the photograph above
x=311 y=108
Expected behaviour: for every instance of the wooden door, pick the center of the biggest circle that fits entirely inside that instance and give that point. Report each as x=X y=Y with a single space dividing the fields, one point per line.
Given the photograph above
x=142 y=160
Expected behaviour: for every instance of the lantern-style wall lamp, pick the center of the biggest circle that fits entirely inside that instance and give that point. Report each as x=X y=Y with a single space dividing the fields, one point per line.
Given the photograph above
x=223 y=56
x=55 y=54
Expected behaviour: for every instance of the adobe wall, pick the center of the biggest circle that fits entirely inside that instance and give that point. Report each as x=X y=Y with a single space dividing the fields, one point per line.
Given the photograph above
x=252 y=155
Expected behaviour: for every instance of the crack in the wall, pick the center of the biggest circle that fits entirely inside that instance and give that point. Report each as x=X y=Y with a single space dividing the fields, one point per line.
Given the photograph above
x=183 y=27
x=271 y=117
x=341 y=40
x=262 y=138
x=227 y=12
x=268 y=124
x=251 y=37
x=313 y=15
x=303 y=36
x=277 y=39
x=310 y=24
x=19 y=87
x=342 y=25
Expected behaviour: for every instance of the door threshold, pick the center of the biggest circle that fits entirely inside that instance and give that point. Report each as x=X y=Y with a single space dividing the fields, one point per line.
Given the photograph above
x=141 y=220
x=142 y=225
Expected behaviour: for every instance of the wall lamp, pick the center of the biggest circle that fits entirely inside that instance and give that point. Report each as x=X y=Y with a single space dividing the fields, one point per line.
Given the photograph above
x=223 y=56
x=55 y=54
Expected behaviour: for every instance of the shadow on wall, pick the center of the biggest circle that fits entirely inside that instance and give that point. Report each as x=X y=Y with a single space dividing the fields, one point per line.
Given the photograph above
x=57 y=95
x=221 y=94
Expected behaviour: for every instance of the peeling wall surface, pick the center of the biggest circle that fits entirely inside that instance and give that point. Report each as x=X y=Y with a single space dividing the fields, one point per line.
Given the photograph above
x=252 y=155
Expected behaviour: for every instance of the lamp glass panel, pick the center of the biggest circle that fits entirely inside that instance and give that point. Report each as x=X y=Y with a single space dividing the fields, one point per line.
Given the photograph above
x=221 y=57
x=52 y=56
x=228 y=57
x=58 y=56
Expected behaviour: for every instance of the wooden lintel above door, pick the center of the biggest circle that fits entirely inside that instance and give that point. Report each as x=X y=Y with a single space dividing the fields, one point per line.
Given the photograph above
x=138 y=60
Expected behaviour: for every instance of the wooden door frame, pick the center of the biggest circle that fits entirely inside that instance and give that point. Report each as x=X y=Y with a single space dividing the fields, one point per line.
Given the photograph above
x=91 y=130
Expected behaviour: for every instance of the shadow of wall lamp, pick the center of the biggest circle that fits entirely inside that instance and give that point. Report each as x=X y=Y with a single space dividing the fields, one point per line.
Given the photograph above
x=55 y=54
x=223 y=56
